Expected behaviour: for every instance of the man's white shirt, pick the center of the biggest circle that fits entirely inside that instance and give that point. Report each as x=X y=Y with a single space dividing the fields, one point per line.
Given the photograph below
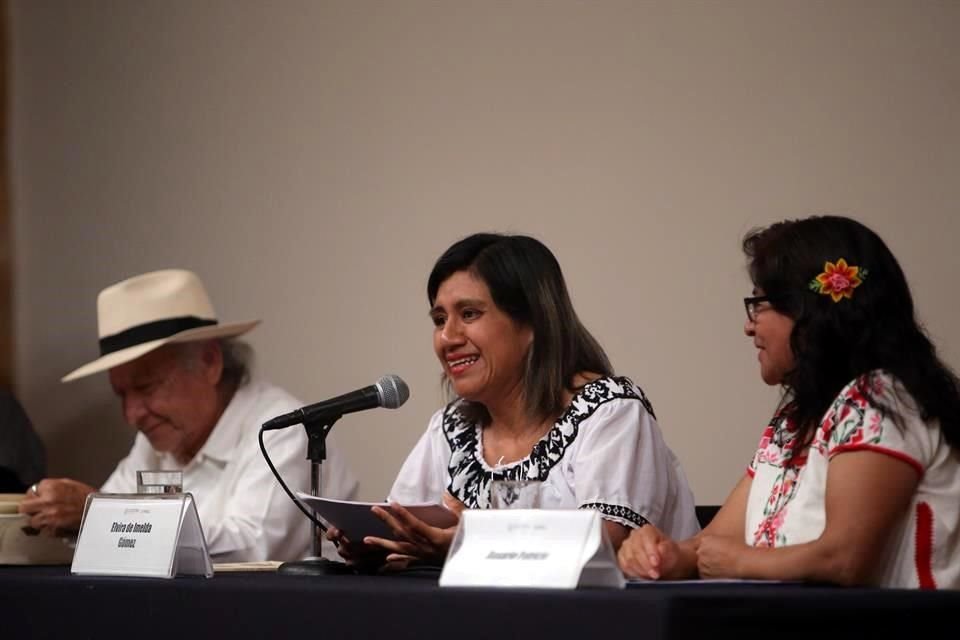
x=244 y=512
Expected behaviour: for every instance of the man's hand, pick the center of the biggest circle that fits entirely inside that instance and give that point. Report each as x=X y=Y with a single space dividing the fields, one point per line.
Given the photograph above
x=55 y=505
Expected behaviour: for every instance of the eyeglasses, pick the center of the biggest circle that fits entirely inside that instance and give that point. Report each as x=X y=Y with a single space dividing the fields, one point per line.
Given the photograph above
x=753 y=307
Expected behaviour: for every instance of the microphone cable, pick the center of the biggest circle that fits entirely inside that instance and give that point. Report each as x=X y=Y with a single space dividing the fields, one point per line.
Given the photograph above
x=283 y=484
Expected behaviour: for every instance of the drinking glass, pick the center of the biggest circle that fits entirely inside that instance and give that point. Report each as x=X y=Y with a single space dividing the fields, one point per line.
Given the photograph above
x=159 y=482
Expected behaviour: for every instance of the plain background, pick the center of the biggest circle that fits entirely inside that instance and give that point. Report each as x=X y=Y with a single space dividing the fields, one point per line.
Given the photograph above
x=311 y=160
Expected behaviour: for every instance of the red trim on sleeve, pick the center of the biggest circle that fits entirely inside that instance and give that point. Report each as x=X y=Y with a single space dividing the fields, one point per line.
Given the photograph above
x=751 y=472
x=893 y=453
x=923 y=549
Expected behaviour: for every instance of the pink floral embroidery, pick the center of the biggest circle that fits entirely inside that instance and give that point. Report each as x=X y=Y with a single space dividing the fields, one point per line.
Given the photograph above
x=777 y=449
x=875 y=428
x=768 y=532
x=853 y=419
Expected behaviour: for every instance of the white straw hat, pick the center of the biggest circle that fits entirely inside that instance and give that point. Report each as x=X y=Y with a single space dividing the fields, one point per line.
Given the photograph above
x=145 y=312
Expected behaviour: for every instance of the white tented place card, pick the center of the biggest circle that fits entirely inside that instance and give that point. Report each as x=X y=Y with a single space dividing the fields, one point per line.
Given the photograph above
x=156 y=536
x=539 y=548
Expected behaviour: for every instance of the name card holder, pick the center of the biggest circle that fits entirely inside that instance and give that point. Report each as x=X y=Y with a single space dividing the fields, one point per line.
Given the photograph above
x=533 y=548
x=142 y=535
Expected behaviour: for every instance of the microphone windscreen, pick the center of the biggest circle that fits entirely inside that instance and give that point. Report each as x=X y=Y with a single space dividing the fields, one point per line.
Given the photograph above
x=393 y=391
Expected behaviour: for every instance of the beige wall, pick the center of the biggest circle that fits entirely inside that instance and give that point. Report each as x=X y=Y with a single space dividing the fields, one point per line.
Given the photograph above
x=311 y=159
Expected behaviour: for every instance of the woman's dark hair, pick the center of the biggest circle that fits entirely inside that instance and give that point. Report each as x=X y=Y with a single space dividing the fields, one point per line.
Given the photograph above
x=835 y=343
x=526 y=283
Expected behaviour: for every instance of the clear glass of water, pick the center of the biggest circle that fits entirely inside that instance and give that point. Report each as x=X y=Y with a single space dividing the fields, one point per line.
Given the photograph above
x=159 y=482
x=515 y=494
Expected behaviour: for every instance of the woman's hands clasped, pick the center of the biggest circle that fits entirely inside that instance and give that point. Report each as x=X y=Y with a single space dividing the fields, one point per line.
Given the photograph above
x=650 y=553
x=720 y=557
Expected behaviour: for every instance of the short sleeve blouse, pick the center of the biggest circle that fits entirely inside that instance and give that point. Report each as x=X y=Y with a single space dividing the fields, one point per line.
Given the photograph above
x=786 y=504
x=606 y=452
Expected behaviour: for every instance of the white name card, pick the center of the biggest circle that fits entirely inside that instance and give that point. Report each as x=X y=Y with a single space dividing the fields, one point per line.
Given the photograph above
x=542 y=548
x=155 y=536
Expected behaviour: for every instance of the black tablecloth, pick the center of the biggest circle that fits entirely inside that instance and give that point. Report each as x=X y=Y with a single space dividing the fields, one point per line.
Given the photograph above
x=48 y=602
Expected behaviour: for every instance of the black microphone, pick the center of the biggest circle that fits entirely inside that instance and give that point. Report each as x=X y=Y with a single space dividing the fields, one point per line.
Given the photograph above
x=389 y=392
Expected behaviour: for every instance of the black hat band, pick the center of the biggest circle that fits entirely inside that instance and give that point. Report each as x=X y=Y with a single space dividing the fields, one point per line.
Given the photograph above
x=156 y=330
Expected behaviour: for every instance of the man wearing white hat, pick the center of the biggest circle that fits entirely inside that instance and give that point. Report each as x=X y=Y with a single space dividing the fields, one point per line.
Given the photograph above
x=183 y=381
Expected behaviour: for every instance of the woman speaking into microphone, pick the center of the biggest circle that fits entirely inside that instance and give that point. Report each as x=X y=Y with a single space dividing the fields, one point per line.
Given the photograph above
x=532 y=397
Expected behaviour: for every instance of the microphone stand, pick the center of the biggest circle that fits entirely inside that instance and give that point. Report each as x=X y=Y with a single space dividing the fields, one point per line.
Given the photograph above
x=317 y=429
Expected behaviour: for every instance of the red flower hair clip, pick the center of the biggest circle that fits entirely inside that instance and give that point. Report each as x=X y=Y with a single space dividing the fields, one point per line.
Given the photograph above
x=838 y=280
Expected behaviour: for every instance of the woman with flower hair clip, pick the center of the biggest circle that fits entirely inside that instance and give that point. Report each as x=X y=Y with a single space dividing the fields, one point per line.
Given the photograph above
x=856 y=480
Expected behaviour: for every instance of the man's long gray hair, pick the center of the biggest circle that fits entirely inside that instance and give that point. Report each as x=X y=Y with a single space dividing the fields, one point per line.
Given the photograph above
x=237 y=360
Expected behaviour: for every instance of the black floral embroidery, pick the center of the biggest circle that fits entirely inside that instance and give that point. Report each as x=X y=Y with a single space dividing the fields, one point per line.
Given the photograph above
x=624 y=515
x=470 y=479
